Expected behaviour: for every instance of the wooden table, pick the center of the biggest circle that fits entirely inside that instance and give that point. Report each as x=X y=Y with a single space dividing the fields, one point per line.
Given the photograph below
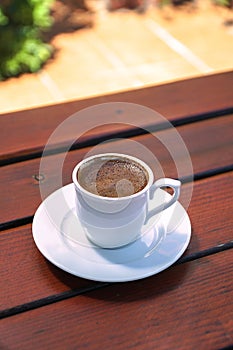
x=187 y=306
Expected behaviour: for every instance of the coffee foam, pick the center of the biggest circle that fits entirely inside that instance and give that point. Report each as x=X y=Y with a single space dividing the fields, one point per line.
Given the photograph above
x=112 y=177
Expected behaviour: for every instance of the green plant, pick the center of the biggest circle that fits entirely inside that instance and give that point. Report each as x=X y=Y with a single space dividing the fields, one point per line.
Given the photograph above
x=21 y=46
x=223 y=2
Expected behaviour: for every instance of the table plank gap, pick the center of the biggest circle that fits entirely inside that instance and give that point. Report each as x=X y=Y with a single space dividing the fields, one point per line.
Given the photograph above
x=51 y=299
x=35 y=304
x=184 y=180
x=90 y=140
x=212 y=229
x=188 y=305
x=27 y=131
x=202 y=157
x=196 y=292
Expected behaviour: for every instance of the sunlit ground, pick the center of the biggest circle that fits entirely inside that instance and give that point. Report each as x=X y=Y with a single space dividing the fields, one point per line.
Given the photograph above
x=126 y=50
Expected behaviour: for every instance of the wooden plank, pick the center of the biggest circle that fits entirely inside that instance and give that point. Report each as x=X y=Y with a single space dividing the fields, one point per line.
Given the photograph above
x=209 y=144
x=188 y=307
x=26 y=271
x=23 y=268
x=26 y=132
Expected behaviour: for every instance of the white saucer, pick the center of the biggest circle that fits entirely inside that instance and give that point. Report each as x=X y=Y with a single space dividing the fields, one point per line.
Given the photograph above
x=60 y=237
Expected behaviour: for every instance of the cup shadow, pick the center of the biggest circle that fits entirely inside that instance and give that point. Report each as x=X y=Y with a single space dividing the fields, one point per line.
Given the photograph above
x=132 y=253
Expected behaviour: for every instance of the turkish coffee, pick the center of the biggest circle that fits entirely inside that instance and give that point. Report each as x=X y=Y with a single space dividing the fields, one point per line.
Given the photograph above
x=112 y=176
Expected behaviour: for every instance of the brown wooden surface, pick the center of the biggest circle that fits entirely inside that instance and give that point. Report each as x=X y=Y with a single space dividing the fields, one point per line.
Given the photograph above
x=185 y=307
x=174 y=101
x=188 y=306
x=212 y=221
x=200 y=139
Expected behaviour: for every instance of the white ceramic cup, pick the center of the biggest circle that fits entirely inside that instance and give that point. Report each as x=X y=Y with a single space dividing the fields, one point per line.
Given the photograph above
x=112 y=222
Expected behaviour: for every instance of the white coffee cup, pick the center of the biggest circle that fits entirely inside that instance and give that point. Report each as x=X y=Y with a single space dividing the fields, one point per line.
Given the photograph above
x=112 y=222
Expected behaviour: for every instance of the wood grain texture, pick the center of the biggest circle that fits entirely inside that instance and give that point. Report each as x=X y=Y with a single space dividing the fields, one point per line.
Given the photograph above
x=27 y=276
x=26 y=132
x=209 y=144
x=186 y=307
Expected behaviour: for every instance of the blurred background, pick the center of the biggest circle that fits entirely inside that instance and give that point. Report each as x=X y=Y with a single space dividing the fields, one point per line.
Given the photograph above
x=53 y=51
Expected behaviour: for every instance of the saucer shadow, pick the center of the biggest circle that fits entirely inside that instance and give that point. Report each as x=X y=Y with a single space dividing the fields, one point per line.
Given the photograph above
x=151 y=287
x=126 y=292
x=71 y=281
x=144 y=289
x=166 y=281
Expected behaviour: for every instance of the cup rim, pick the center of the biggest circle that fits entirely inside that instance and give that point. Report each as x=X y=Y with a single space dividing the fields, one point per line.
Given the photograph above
x=112 y=154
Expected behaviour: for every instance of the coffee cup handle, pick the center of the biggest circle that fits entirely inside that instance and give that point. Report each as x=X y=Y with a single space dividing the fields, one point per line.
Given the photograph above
x=164 y=182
